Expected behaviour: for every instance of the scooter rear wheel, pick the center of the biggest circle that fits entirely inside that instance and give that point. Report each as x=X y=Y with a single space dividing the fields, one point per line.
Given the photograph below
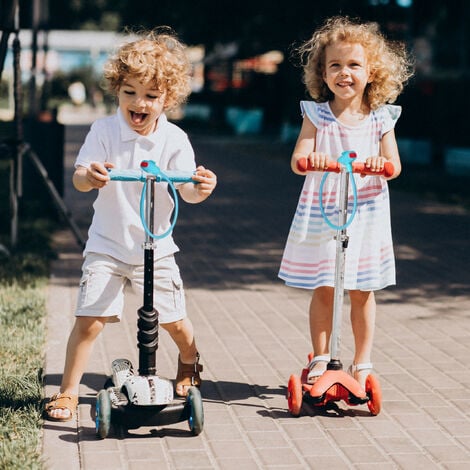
x=374 y=392
x=294 y=395
x=196 y=411
x=103 y=414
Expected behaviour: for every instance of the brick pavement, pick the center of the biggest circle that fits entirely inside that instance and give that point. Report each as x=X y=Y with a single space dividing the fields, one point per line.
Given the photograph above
x=252 y=334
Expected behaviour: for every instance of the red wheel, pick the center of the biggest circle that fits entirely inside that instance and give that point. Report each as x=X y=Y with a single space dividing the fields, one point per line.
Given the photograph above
x=294 y=395
x=374 y=393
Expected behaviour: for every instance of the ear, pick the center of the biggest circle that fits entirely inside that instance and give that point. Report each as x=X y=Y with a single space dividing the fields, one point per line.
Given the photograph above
x=371 y=76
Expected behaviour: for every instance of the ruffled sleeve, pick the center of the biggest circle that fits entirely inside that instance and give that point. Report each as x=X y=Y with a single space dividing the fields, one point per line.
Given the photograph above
x=310 y=109
x=389 y=117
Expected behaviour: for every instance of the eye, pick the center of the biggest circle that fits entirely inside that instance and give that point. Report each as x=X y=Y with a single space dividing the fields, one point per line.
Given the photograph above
x=129 y=92
x=152 y=97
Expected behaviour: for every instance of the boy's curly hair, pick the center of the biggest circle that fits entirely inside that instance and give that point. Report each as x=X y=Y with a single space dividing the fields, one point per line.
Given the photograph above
x=389 y=61
x=155 y=56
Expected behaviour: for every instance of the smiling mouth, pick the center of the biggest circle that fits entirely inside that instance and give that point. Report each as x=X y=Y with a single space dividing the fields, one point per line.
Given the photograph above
x=137 y=118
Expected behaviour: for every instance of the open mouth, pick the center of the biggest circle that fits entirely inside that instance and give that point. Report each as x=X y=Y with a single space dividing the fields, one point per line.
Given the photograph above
x=137 y=118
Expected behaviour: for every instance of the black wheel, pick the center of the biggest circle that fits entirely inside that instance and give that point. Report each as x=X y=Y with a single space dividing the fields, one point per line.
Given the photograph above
x=196 y=411
x=103 y=414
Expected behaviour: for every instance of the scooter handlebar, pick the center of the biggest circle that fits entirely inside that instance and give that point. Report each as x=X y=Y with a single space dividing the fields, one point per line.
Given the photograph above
x=175 y=176
x=333 y=166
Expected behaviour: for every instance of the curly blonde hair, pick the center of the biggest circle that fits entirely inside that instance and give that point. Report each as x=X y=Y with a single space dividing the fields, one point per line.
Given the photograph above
x=156 y=56
x=389 y=61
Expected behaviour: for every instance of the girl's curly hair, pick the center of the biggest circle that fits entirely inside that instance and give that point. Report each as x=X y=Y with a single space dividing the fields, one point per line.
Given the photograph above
x=389 y=61
x=155 y=56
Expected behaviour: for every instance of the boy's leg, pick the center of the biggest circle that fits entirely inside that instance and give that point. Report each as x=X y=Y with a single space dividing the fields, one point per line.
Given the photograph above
x=363 y=311
x=182 y=333
x=79 y=347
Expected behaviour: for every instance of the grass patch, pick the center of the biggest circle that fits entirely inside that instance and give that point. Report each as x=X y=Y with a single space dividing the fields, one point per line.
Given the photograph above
x=23 y=280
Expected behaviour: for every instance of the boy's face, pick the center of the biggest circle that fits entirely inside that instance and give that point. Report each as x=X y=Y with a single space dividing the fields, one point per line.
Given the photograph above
x=141 y=104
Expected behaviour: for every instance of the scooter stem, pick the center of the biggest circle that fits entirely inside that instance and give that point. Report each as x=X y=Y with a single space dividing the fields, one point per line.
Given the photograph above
x=341 y=245
x=147 y=323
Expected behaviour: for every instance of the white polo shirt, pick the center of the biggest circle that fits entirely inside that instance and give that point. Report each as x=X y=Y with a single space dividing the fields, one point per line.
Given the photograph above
x=116 y=229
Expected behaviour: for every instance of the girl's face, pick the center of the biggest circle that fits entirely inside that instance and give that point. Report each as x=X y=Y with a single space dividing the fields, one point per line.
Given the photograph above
x=141 y=104
x=347 y=71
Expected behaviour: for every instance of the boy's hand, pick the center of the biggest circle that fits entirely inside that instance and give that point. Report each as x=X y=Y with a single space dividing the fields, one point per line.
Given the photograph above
x=97 y=174
x=207 y=181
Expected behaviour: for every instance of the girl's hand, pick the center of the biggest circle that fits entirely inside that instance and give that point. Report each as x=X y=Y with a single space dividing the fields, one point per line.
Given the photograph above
x=375 y=163
x=207 y=181
x=318 y=160
x=97 y=174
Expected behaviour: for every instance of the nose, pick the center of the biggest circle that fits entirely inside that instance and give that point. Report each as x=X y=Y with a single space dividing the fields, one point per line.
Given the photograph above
x=140 y=100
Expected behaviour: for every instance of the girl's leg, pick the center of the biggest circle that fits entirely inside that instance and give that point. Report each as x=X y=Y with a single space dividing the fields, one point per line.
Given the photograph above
x=321 y=311
x=79 y=347
x=363 y=311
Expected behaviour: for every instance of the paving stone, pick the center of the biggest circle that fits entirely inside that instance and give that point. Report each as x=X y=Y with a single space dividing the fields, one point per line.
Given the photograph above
x=252 y=332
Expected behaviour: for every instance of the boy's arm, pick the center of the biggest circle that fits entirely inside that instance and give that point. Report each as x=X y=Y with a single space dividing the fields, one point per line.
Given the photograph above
x=94 y=177
x=194 y=193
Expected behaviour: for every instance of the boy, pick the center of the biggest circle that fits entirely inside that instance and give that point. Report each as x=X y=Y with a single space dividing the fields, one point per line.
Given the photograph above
x=148 y=76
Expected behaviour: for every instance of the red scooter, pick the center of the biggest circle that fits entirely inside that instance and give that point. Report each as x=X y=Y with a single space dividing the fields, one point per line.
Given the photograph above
x=335 y=384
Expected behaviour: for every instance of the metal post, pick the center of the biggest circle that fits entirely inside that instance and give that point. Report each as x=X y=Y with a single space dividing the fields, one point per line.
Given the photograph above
x=16 y=165
x=341 y=245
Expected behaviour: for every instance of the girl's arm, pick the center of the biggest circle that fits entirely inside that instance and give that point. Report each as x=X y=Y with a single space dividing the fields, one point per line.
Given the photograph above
x=305 y=148
x=389 y=151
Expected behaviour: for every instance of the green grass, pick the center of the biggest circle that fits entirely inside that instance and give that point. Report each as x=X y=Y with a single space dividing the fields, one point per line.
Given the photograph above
x=23 y=281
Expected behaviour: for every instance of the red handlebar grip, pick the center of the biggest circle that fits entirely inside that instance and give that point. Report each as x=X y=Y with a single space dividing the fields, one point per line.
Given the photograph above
x=304 y=165
x=361 y=168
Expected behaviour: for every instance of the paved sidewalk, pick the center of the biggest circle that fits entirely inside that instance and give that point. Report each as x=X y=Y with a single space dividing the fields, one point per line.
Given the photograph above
x=252 y=333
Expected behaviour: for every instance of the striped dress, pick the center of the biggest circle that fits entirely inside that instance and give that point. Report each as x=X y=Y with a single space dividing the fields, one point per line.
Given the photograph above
x=309 y=255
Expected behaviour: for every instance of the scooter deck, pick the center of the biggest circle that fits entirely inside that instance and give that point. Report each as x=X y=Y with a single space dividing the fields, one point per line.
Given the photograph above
x=333 y=385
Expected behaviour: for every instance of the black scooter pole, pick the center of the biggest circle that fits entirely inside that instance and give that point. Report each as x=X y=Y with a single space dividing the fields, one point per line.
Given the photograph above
x=147 y=323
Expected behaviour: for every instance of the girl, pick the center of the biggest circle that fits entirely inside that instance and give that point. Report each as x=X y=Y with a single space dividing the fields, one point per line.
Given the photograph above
x=352 y=72
x=149 y=76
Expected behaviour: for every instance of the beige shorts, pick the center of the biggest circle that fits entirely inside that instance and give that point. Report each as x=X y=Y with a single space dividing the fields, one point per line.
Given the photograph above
x=108 y=287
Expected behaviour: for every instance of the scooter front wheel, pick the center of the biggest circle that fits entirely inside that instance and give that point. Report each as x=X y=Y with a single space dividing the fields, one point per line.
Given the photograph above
x=196 y=411
x=103 y=414
x=294 y=395
x=374 y=392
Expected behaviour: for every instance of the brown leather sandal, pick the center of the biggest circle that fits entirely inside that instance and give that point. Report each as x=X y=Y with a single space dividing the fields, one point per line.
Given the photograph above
x=61 y=401
x=188 y=375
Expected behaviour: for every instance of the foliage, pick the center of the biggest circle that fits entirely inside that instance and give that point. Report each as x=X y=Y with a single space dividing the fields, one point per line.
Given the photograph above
x=23 y=280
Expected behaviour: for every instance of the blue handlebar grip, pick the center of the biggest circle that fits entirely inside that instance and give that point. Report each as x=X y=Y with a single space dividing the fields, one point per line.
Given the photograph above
x=178 y=176
x=126 y=175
